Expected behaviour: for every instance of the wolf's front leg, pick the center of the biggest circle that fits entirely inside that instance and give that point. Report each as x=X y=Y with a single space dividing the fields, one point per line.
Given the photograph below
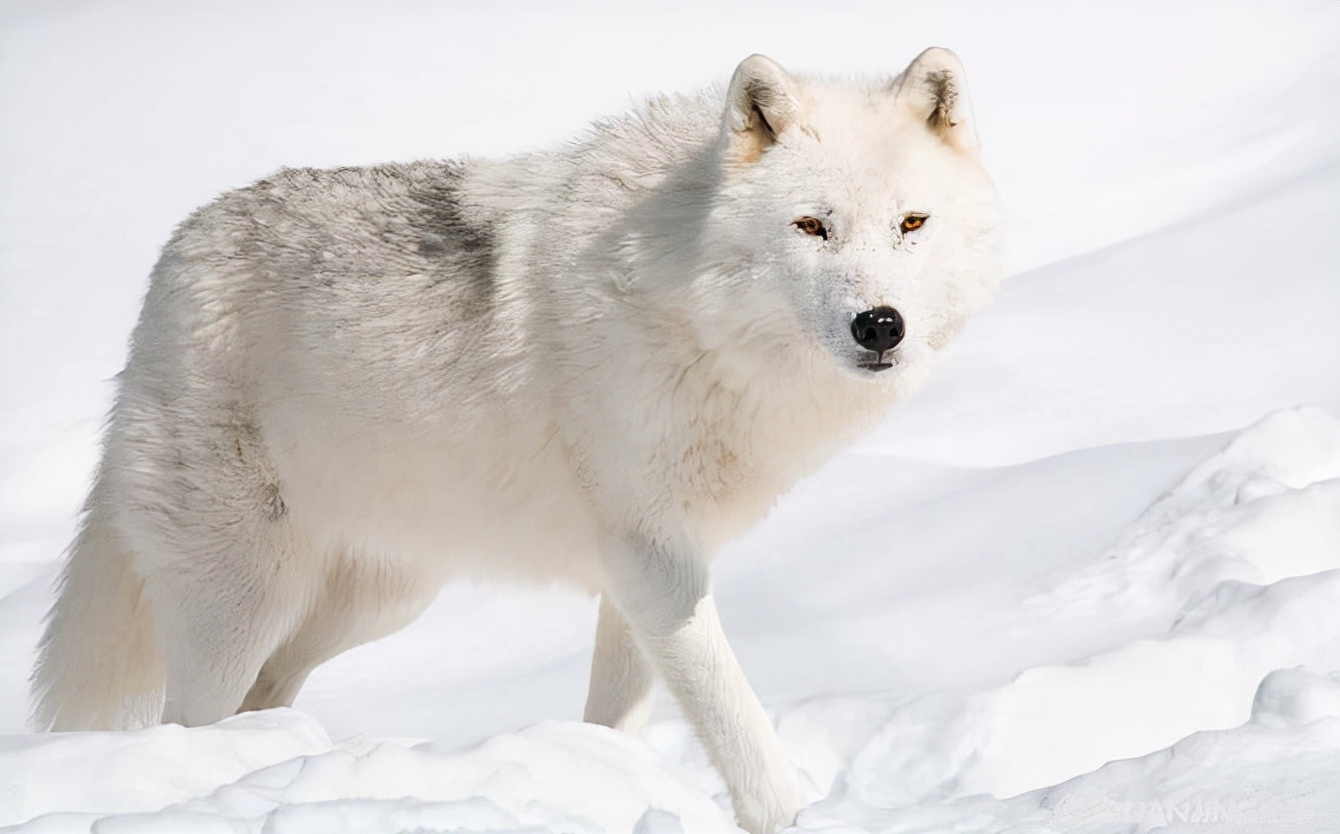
x=664 y=598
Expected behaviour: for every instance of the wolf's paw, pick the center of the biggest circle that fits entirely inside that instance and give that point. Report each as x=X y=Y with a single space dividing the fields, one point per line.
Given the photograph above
x=769 y=811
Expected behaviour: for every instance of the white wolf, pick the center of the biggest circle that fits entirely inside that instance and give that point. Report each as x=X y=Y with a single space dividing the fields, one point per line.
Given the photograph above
x=594 y=365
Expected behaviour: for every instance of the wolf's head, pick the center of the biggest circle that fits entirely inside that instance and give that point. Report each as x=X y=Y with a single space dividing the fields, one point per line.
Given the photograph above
x=858 y=212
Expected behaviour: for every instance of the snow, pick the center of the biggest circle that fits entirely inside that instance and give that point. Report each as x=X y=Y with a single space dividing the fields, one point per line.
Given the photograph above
x=1087 y=580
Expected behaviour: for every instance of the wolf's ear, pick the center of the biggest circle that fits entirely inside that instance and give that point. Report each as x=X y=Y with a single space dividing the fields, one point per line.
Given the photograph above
x=763 y=100
x=934 y=89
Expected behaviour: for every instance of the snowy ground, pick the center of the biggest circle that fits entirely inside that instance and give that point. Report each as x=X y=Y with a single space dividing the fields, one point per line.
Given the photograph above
x=1110 y=594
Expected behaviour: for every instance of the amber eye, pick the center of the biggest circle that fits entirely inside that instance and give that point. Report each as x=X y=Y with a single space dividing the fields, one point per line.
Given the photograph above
x=811 y=226
x=912 y=222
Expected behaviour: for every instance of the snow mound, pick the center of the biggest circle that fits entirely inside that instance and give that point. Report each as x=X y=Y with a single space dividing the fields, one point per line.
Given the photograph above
x=1244 y=674
x=1248 y=780
x=94 y=774
x=277 y=772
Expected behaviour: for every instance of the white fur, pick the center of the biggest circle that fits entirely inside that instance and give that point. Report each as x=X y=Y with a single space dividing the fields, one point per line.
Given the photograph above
x=593 y=365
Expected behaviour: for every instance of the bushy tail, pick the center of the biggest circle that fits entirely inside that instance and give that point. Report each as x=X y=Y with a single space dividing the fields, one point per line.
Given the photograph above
x=99 y=667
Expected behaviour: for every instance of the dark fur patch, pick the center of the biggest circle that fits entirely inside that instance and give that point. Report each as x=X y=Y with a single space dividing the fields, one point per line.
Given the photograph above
x=454 y=236
x=272 y=502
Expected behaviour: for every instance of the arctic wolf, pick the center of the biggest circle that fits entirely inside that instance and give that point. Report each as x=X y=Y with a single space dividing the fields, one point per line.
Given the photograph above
x=594 y=365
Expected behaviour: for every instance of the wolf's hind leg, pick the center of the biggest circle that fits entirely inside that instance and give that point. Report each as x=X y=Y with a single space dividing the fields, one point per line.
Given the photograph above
x=280 y=679
x=357 y=603
x=621 y=676
x=217 y=626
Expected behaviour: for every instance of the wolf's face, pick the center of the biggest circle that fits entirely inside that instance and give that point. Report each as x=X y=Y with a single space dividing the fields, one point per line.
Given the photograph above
x=872 y=224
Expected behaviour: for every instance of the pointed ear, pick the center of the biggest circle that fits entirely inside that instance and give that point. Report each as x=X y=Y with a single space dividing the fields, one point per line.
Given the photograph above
x=933 y=88
x=763 y=101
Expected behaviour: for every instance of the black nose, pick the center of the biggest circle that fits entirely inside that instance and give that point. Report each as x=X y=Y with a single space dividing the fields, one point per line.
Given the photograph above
x=878 y=330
